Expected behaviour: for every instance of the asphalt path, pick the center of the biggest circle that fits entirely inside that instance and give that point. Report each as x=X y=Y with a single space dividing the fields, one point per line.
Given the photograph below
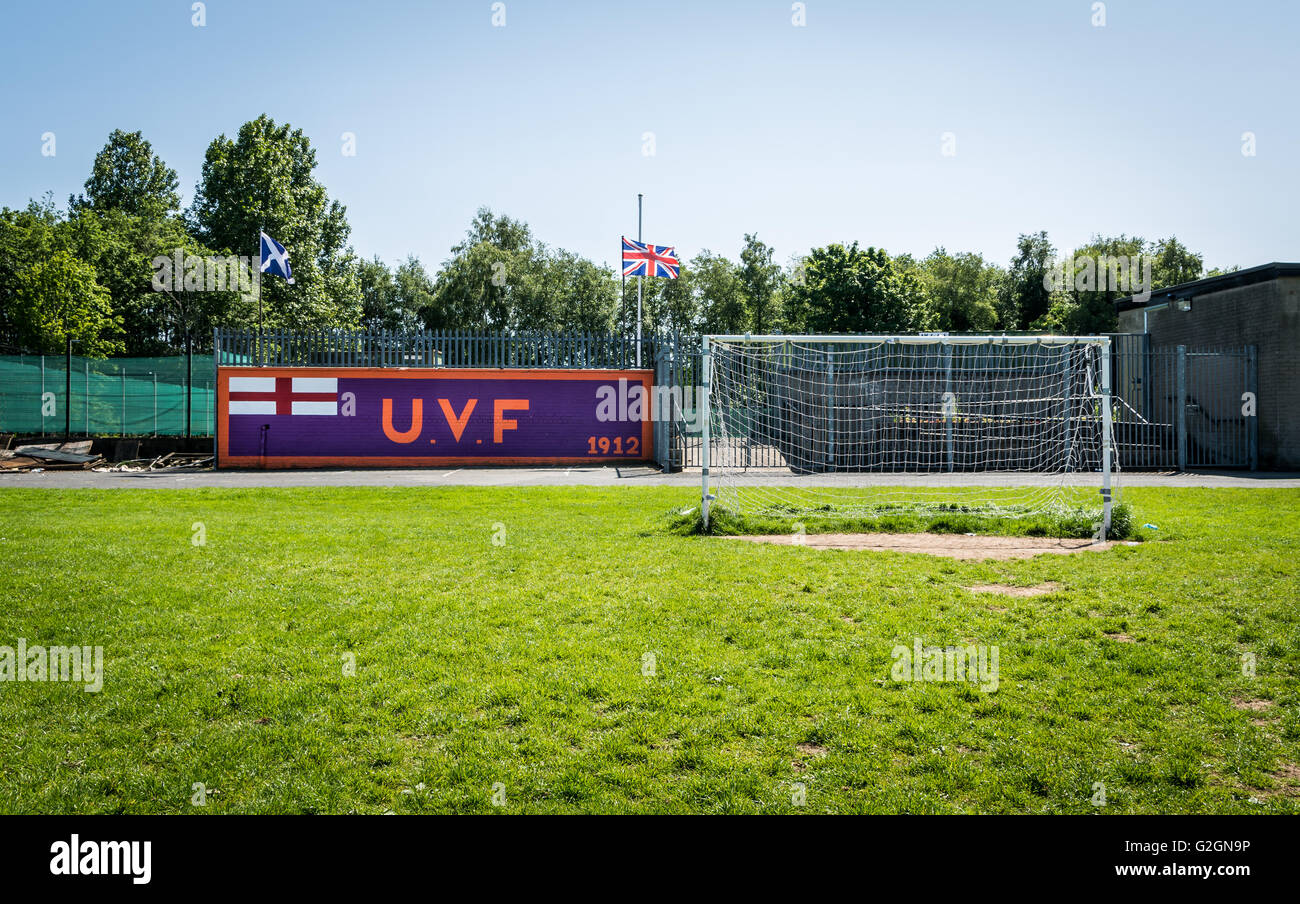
x=603 y=477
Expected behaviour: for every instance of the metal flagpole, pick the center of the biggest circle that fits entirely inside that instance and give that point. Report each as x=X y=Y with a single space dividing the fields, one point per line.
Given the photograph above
x=257 y=276
x=638 y=284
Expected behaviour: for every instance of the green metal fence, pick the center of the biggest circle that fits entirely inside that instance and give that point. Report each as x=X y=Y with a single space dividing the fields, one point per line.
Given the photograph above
x=125 y=396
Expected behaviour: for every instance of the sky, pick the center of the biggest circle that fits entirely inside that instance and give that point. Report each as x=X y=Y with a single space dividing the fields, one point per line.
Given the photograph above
x=903 y=125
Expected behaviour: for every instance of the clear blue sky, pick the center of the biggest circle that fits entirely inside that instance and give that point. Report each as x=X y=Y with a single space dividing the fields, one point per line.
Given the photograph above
x=829 y=132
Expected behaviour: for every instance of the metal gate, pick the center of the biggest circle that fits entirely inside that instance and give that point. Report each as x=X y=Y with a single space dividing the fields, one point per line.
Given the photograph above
x=1179 y=408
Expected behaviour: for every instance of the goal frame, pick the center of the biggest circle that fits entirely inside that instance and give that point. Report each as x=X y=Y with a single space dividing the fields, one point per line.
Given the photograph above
x=1102 y=343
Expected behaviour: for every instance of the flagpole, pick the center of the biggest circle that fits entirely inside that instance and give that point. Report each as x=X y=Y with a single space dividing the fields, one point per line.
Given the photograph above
x=638 y=284
x=258 y=277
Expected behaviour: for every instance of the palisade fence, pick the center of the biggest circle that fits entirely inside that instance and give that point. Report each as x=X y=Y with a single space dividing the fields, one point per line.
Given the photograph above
x=435 y=348
x=1175 y=407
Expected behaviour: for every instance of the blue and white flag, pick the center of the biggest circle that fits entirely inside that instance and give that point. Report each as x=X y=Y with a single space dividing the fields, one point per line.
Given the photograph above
x=275 y=259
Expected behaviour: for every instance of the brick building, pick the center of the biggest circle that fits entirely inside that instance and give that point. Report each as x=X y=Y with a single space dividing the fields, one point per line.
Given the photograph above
x=1257 y=307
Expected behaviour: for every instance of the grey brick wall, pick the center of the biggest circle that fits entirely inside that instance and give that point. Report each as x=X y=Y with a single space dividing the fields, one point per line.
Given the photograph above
x=1265 y=315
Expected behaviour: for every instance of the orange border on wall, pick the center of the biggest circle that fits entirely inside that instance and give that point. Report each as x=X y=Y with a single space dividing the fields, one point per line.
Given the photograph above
x=225 y=460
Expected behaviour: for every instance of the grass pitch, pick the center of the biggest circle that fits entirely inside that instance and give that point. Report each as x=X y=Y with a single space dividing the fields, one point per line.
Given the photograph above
x=562 y=649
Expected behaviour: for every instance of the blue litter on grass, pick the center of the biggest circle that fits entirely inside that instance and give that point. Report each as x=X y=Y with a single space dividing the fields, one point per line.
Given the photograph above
x=1152 y=526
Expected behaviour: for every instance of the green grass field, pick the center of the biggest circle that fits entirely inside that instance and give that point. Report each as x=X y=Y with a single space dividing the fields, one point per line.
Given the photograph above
x=227 y=664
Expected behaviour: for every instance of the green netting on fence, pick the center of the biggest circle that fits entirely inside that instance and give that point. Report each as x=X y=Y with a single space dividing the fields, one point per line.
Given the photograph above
x=121 y=396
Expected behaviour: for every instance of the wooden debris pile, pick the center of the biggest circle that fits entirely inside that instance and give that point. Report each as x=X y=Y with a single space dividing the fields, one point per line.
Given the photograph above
x=71 y=456
x=172 y=461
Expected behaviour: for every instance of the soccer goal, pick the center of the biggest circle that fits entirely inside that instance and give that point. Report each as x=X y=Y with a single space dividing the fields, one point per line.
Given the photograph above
x=850 y=426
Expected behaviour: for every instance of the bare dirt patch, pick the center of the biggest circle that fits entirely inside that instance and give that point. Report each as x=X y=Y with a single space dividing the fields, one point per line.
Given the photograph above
x=1009 y=590
x=1288 y=780
x=953 y=546
x=1122 y=638
x=1254 y=706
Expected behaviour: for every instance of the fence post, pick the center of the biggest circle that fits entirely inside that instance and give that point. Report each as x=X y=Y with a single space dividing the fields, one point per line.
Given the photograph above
x=1107 y=427
x=658 y=390
x=217 y=336
x=1067 y=413
x=949 y=415
x=1180 y=414
x=832 y=432
x=67 y=392
x=705 y=497
x=1252 y=425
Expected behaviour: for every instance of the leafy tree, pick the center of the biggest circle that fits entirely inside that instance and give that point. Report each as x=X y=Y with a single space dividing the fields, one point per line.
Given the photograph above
x=57 y=298
x=394 y=300
x=579 y=296
x=1173 y=263
x=379 y=306
x=721 y=300
x=499 y=277
x=262 y=180
x=1024 y=297
x=676 y=303
x=122 y=248
x=1085 y=302
x=480 y=285
x=847 y=289
x=760 y=282
x=129 y=177
x=962 y=291
x=26 y=236
x=1220 y=271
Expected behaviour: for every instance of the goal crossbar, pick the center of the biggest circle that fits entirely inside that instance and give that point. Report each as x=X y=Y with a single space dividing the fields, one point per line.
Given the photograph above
x=918 y=339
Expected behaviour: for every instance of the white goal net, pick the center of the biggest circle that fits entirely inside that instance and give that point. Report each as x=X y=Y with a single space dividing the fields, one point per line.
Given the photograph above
x=808 y=426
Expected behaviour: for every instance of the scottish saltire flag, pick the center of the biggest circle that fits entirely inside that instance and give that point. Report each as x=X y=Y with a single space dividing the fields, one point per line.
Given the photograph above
x=649 y=260
x=275 y=260
x=284 y=395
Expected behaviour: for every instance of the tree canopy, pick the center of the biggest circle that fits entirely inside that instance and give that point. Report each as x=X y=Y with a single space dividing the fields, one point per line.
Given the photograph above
x=90 y=272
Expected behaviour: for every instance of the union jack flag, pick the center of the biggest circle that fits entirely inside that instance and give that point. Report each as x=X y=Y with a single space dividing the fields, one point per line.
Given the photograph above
x=649 y=260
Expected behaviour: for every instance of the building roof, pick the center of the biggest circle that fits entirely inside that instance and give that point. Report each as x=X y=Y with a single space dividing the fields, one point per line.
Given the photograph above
x=1220 y=283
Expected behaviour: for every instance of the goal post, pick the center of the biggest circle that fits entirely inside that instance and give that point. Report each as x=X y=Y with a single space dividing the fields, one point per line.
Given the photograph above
x=862 y=426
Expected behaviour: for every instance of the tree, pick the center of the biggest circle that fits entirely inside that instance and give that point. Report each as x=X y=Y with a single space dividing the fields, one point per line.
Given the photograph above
x=760 y=283
x=378 y=295
x=395 y=301
x=499 y=278
x=721 y=300
x=262 y=180
x=57 y=298
x=676 y=305
x=582 y=296
x=962 y=291
x=1090 y=284
x=1173 y=263
x=847 y=289
x=1024 y=296
x=129 y=177
x=487 y=278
